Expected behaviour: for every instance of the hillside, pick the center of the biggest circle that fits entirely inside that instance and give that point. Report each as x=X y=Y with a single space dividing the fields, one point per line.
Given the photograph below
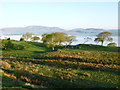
x=81 y=66
x=91 y=31
x=35 y=29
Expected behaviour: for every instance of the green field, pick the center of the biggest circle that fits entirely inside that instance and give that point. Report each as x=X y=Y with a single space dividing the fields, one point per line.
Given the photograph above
x=37 y=66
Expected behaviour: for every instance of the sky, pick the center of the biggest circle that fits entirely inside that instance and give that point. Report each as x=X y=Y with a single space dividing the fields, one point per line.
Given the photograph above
x=67 y=15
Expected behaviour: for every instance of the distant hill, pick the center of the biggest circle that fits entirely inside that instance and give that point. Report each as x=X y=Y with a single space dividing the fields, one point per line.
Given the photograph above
x=34 y=29
x=114 y=32
x=88 y=31
x=91 y=31
x=44 y=29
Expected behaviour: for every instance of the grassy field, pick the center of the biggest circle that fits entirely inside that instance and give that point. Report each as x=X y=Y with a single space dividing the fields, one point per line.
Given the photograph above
x=89 y=66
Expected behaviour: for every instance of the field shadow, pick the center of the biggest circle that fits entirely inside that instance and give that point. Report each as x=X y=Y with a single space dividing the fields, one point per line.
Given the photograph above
x=50 y=82
x=65 y=65
x=10 y=82
x=46 y=49
x=36 y=44
x=38 y=52
x=73 y=59
x=99 y=49
x=90 y=47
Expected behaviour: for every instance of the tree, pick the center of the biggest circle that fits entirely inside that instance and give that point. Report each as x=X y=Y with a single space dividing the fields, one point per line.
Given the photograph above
x=54 y=39
x=48 y=40
x=35 y=38
x=112 y=44
x=71 y=39
x=59 y=37
x=97 y=40
x=27 y=36
x=103 y=36
x=87 y=39
x=21 y=39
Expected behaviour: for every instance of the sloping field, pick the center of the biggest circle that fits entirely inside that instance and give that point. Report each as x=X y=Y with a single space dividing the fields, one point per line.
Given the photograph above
x=39 y=67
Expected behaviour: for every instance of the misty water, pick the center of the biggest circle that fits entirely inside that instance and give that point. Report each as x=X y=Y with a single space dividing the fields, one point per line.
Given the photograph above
x=80 y=39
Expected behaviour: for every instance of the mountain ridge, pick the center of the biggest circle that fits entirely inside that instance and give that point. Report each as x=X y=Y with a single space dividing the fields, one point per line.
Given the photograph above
x=45 y=29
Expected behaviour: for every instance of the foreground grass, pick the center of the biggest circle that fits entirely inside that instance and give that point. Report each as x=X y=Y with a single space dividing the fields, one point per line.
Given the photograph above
x=38 y=67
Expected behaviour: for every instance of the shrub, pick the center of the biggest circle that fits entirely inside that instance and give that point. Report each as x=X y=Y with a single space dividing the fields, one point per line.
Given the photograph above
x=112 y=44
x=21 y=39
x=8 y=38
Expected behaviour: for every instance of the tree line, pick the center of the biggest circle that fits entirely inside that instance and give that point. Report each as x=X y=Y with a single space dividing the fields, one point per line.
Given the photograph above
x=51 y=40
x=60 y=38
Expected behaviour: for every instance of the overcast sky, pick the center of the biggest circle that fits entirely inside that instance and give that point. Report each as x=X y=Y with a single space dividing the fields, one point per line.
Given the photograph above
x=66 y=15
